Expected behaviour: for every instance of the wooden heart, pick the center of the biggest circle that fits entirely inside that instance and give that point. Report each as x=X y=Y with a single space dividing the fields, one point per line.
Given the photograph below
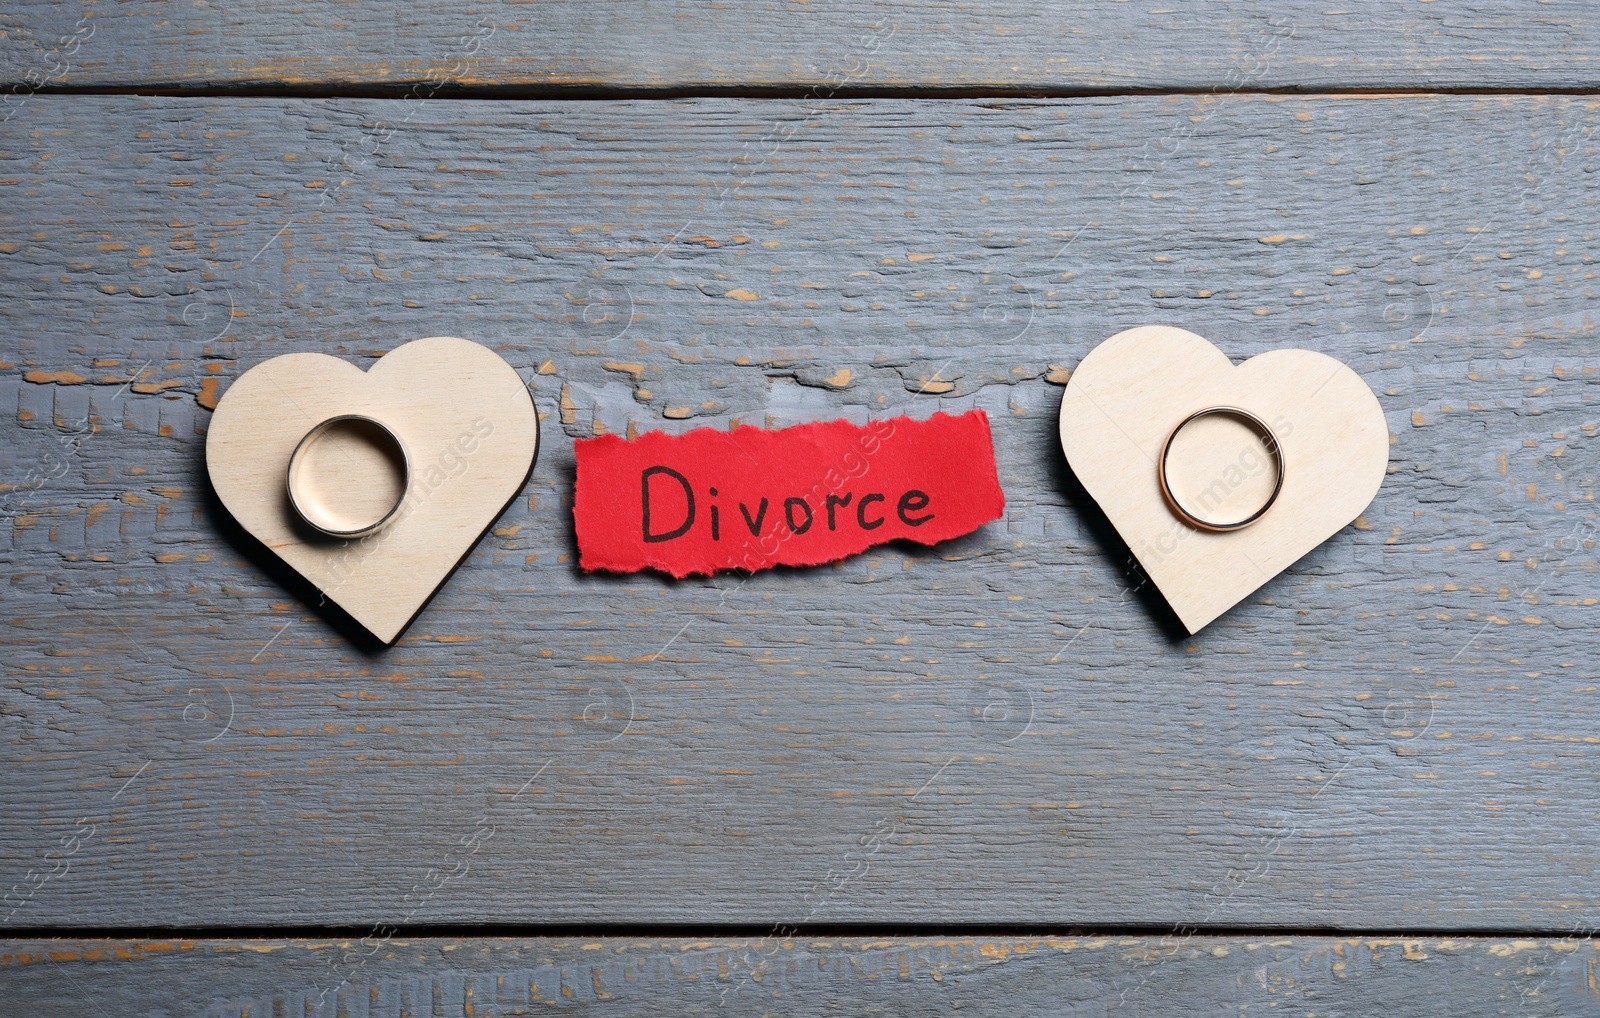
x=469 y=432
x=1132 y=391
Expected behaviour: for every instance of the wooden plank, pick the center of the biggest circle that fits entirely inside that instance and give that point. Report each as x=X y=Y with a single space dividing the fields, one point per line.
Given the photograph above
x=1009 y=46
x=1397 y=732
x=383 y=977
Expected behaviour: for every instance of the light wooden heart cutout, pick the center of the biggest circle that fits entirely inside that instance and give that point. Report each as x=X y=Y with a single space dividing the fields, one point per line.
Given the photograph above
x=466 y=433
x=1133 y=391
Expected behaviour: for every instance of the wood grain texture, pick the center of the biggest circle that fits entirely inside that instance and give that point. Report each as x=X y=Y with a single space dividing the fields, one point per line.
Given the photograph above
x=1397 y=732
x=825 y=45
x=1461 y=977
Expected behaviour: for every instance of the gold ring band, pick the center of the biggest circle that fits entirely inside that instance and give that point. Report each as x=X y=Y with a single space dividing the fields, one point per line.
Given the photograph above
x=319 y=522
x=1273 y=446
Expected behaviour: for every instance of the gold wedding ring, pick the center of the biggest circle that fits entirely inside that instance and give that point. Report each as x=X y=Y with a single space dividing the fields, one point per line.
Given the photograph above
x=314 y=508
x=1273 y=446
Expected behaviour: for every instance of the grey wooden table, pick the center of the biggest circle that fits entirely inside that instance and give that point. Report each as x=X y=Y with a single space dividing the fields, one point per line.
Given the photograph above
x=991 y=776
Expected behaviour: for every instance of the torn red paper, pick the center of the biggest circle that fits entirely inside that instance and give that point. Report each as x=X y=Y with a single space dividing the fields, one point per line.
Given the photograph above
x=750 y=499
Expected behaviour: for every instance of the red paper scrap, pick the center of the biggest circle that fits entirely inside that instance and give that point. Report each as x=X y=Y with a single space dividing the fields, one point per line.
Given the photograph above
x=750 y=499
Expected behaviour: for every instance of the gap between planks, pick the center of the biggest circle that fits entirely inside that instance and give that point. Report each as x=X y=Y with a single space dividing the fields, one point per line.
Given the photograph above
x=777 y=930
x=819 y=91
